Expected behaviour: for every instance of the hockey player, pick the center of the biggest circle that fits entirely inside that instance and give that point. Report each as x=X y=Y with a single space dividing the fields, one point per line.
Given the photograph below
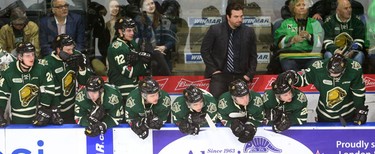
x=67 y=66
x=194 y=109
x=147 y=107
x=29 y=86
x=284 y=105
x=98 y=106
x=125 y=62
x=341 y=87
x=241 y=110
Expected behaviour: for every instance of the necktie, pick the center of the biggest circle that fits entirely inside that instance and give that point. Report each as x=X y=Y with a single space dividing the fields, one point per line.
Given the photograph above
x=230 y=64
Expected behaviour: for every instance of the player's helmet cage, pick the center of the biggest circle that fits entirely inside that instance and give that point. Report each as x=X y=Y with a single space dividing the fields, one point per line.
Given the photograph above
x=124 y=23
x=62 y=40
x=25 y=47
x=192 y=94
x=281 y=86
x=94 y=83
x=148 y=86
x=238 y=88
x=336 y=64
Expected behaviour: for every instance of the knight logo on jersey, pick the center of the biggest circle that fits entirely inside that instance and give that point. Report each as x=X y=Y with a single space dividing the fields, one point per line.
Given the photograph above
x=68 y=82
x=27 y=93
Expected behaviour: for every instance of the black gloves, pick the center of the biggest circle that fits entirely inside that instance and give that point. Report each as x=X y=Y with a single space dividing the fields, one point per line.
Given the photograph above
x=139 y=127
x=290 y=76
x=281 y=123
x=189 y=128
x=197 y=118
x=76 y=61
x=145 y=57
x=96 y=115
x=3 y=121
x=56 y=118
x=153 y=121
x=43 y=115
x=133 y=57
x=272 y=114
x=244 y=132
x=96 y=129
x=248 y=133
x=361 y=115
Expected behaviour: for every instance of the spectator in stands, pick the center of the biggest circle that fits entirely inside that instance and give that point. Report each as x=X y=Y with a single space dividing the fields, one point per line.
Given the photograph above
x=241 y=109
x=229 y=51
x=322 y=9
x=350 y=27
x=68 y=66
x=22 y=83
x=195 y=108
x=157 y=35
x=114 y=12
x=61 y=22
x=341 y=87
x=20 y=29
x=284 y=105
x=147 y=107
x=299 y=38
x=125 y=62
x=98 y=106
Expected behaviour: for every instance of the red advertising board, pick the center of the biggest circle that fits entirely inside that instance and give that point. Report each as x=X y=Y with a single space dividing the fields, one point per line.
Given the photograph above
x=176 y=84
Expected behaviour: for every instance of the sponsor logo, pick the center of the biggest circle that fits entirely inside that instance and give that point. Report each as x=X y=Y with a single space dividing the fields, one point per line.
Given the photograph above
x=255 y=80
x=162 y=82
x=40 y=144
x=260 y=145
x=263 y=58
x=193 y=58
x=204 y=22
x=269 y=84
x=184 y=83
x=369 y=82
x=100 y=144
x=258 y=21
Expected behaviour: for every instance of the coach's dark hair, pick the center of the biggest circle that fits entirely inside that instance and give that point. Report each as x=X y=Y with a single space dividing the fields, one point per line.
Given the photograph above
x=233 y=6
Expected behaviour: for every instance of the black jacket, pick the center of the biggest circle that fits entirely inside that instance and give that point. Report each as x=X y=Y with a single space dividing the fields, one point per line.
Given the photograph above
x=215 y=44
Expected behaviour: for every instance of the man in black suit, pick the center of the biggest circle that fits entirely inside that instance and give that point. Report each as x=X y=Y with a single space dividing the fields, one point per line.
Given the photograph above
x=229 y=51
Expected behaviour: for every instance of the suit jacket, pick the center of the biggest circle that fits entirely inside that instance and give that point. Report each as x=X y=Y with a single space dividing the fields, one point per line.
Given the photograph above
x=75 y=28
x=215 y=44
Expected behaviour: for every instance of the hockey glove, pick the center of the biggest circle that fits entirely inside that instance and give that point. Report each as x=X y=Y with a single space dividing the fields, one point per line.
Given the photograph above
x=237 y=127
x=145 y=57
x=281 y=123
x=56 y=118
x=3 y=121
x=189 y=128
x=131 y=58
x=361 y=115
x=97 y=114
x=290 y=76
x=139 y=128
x=154 y=122
x=75 y=61
x=96 y=129
x=197 y=118
x=43 y=115
x=248 y=133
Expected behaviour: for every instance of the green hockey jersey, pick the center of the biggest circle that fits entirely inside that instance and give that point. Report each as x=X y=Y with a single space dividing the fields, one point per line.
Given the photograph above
x=180 y=109
x=112 y=104
x=228 y=109
x=26 y=90
x=135 y=108
x=120 y=72
x=338 y=96
x=296 y=109
x=333 y=27
x=65 y=81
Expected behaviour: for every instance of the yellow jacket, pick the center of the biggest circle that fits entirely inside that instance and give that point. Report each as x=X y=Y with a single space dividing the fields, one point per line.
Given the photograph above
x=31 y=34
